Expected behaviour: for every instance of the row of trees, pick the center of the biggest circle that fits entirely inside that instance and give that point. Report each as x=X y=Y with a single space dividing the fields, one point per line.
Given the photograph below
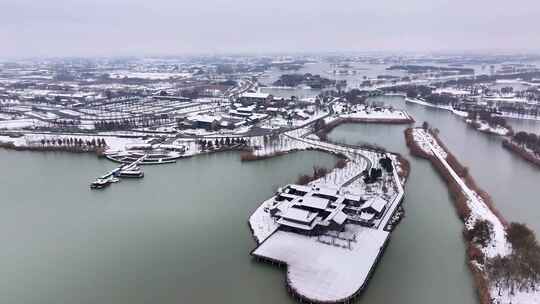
x=314 y=81
x=441 y=99
x=488 y=117
x=126 y=124
x=412 y=91
x=372 y=176
x=73 y=142
x=386 y=164
x=221 y=142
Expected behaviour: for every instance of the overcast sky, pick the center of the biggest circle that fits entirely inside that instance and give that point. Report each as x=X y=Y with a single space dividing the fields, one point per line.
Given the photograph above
x=137 y=27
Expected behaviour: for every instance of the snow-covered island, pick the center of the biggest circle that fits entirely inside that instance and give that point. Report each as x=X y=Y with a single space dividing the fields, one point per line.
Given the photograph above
x=331 y=232
x=503 y=257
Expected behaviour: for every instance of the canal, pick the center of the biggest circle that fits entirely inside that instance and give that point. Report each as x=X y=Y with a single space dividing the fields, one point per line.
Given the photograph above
x=425 y=260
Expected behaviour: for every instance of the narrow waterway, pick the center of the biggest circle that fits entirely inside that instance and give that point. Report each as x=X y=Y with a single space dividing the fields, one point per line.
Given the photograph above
x=425 y=261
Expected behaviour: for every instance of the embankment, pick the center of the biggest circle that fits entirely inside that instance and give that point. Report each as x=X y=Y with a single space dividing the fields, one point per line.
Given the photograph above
x=521 y=152
x=460 y=199
x=327 y=128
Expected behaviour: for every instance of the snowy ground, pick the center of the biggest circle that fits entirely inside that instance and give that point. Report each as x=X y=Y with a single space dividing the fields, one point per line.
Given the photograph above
x=114 y=143
x=325 y=272
x=427 y=142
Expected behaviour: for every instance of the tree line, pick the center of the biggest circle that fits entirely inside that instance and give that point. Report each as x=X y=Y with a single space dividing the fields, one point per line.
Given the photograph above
x=488 y=117
x=528 y=140
x=73 y=142
x=221 y=142
x=126 y=124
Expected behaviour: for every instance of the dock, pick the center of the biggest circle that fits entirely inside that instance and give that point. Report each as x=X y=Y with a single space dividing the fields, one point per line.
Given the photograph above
x=130 y=170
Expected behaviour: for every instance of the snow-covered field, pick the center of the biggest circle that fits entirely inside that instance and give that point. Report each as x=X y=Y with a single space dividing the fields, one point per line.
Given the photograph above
x=19 y=123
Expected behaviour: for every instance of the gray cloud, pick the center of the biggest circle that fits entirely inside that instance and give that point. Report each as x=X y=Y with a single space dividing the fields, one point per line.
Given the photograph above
x=135 y=27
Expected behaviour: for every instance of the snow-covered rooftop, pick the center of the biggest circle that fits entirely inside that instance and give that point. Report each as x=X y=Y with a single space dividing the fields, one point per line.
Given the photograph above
x=255 y=95
x=313 y=202
x=299 y=215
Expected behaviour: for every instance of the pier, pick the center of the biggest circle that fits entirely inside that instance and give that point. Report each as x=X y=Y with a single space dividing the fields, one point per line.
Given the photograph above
x=130 y=170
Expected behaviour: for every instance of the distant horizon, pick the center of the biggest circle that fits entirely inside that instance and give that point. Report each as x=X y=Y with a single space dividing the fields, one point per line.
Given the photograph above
x=285 y=53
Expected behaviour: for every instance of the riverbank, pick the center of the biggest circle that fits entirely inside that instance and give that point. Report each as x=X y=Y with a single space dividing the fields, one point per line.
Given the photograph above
x=478 y=125
x=486 y=232
x=427 y=104
x=332 y=123
x=522 y=152
x=484 y=127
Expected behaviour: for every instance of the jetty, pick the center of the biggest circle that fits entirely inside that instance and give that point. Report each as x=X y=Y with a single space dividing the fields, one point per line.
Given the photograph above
x=131 y=170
